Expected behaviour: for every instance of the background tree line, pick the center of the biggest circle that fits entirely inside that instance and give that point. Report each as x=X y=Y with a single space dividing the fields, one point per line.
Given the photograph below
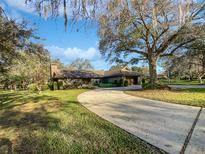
x=188 y=65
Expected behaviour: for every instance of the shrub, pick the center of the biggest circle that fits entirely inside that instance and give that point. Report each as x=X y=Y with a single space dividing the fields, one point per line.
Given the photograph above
x=60 y=85
x=33 y=87
x=67 y=86
x=120 y=83
x=149 y=86
x=86 y=86
x=143 y=81
x=51 y=86
x=44 y=87
x=115 y=82
x=96 y=83
x=107 y=85
x=125 y=83
x=155 y=86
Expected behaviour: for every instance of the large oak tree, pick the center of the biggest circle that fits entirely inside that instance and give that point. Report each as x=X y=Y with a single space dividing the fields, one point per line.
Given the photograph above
x=148 y=28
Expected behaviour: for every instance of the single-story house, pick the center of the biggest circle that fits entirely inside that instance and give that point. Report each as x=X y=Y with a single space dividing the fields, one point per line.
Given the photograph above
x=91 y=76
x=121 y=74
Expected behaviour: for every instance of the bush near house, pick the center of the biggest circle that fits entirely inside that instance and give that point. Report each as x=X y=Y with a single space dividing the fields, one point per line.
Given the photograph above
x=125 y=83
x=33 y=87
x=107 y=85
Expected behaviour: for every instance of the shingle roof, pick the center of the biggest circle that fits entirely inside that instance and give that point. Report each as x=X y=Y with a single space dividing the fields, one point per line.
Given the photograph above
x=122 y=73
x=77 y=74
x=85 y=74
x=125 y=71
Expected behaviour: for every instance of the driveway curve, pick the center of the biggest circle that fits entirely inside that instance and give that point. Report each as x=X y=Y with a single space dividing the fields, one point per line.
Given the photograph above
x=161 y=124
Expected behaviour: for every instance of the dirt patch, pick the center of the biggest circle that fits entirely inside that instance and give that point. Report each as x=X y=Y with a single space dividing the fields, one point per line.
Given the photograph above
x=53 y=106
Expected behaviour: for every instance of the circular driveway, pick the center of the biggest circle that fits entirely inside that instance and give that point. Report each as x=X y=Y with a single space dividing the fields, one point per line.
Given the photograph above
x=161 y=124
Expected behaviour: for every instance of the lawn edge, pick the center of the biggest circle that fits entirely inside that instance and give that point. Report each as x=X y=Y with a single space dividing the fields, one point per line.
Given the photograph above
x=160 y=101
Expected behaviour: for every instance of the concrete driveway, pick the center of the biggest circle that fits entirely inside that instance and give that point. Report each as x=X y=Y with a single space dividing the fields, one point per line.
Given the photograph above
x=164 y=125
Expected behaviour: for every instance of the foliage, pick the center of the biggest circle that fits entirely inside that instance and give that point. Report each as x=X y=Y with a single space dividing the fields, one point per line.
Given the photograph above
x=14 y=37
x=125 y=83
x=117 y=66
x=108 y=85
x=54 y=122
x=143 y=71
x=14 y=82
x=150 y=86
x=143 y=81
x=60 y=85
x=44 y=87
x=147 y=30
x=21 y=61
x=81 y=64
x=75 y=9
x=55 y=85
x=32 y=67
x=51 y=85
x=33 y=87
x=155 y=86
x=191 y=64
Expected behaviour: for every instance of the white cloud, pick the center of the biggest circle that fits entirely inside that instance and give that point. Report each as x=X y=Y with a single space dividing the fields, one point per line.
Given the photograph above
x=73 y=53
x=70 y=54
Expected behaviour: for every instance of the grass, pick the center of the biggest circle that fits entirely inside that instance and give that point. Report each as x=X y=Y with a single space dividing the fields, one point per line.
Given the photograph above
x=181 y=82
x=193 y=97
x=54 y=122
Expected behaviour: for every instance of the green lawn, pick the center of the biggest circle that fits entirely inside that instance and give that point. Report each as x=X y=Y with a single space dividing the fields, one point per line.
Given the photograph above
x=194 y=97
x=55 y=123
x=180 y=82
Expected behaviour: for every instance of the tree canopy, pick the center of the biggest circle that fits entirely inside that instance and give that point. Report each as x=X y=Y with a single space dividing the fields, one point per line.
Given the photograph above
x=190 y=64
x=80 y=64
x=21 y=61
x=148 y=30
x=13 y=38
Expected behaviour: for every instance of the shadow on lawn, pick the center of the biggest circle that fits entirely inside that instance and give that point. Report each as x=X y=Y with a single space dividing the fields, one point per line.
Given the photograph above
x=29 y=120
x=5 y=146
x=23 y=122
x=10 y=100
x=37 y=131
x=25 y=125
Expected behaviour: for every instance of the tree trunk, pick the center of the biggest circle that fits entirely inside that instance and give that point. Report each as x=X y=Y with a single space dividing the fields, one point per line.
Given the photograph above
x=153 y=71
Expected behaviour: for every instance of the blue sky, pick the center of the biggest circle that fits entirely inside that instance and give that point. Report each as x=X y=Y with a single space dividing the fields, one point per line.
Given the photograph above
x=67 y=46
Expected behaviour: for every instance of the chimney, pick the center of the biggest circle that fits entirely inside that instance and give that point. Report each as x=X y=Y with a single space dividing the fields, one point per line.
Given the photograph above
x=54 y=70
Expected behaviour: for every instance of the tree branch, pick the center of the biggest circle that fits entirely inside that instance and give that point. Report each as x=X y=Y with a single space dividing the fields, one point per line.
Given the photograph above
x=177 y=47
x=137 y=51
